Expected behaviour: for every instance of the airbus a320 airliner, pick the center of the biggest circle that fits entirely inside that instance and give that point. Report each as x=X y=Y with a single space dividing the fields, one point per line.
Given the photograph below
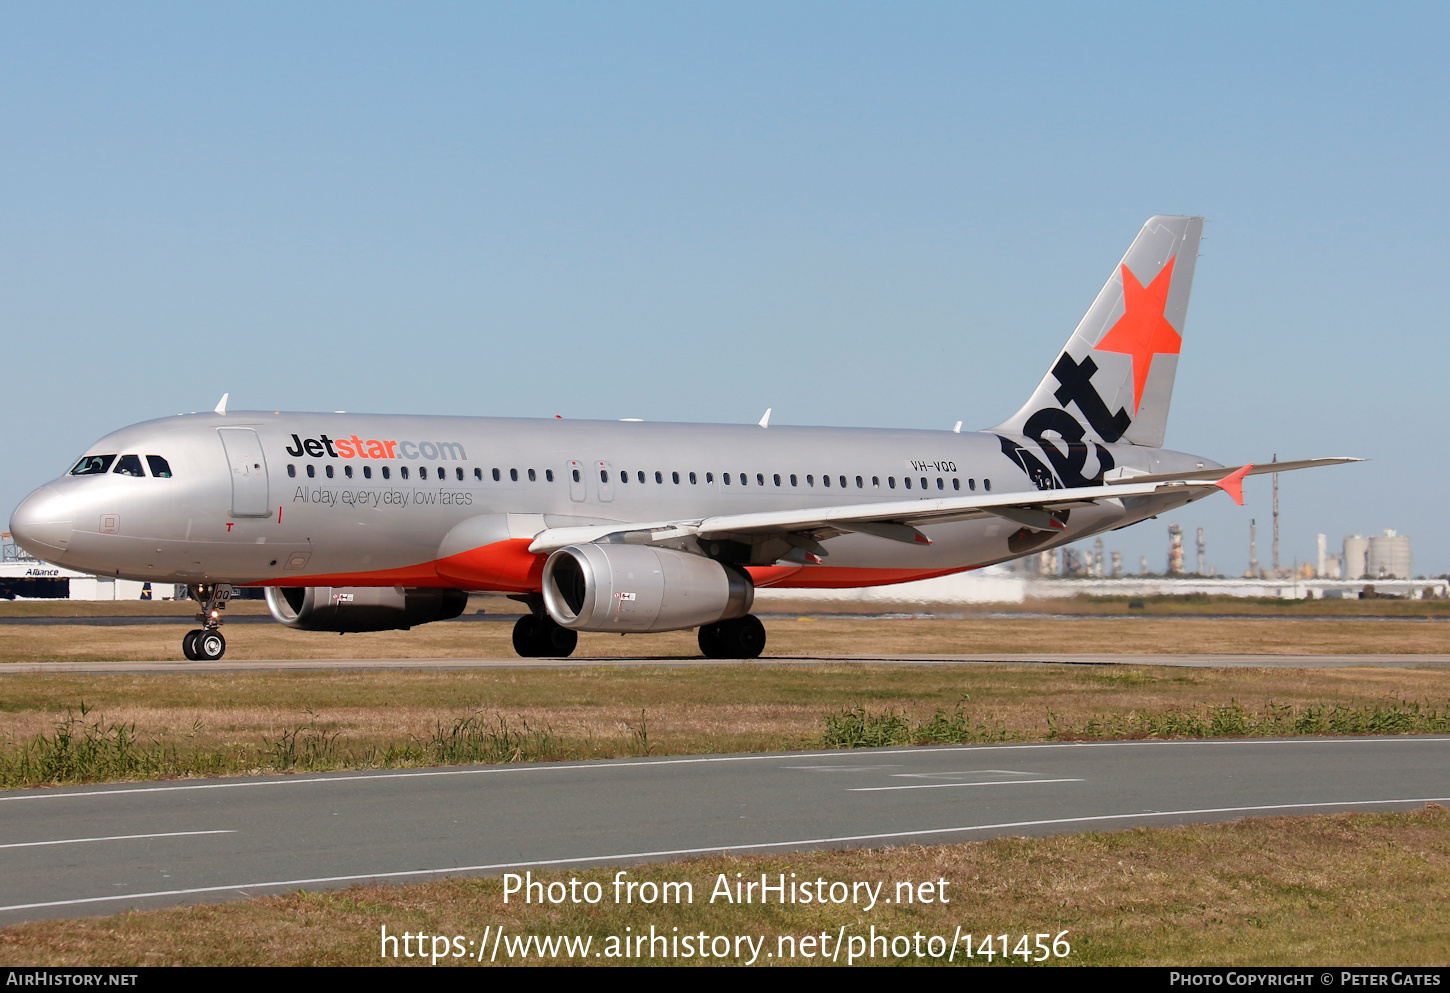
x=369 y=523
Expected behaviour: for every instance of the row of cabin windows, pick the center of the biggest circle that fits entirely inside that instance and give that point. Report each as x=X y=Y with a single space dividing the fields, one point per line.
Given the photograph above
x=403 y=473
x=842 y=481
x=623 y=477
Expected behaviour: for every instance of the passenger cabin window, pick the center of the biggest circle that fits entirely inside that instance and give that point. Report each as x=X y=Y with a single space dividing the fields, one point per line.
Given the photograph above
x=876 y=482
x=347 y=471
x=972 y=485
x=956 y=483
x=422 y=472
x=576 y=475
x=923 y=482
x=402 y=471
x=495 y=476
x=776 y=477
x=160 y=468
x=548 y=475
x=860 y=483
x=726 y=477
x=458 y=473
x=825 y=480
x=906 y=480
x=709 y=477
x=987 y=485
x=129 y=465
x=660 y=477
x=292 y=470
x=624 y=476
x=603 y=475
x=327 y=469
x=312 y=471
x=676 y=477
x=387 y=472
x=843 y=482
x=792 y=479
x=692 y=479
x=92 y=465
x=810 y=480
x=367 y=472
x=641 y=476
x=891 y=481
x=939 y=484
x=514 y=475
x=478 y=474
x=532 y=477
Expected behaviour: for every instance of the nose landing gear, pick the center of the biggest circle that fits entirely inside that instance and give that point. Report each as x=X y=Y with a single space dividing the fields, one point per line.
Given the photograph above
x=206 y=644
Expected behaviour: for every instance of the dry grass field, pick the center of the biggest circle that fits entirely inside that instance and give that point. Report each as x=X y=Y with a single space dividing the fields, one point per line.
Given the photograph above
x=239 y=718
x=1341 y=890
x=808 y=636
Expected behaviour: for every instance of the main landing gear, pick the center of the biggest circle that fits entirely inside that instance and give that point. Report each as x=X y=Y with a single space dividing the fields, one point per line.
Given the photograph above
x=206 y=644
x=539 y=636
x=737 y=638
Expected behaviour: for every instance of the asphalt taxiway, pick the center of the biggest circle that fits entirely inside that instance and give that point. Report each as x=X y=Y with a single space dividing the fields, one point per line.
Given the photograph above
x=1189 y=660
x=103 y=849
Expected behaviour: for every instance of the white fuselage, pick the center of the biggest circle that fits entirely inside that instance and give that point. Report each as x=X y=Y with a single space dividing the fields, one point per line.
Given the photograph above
x=288 y=499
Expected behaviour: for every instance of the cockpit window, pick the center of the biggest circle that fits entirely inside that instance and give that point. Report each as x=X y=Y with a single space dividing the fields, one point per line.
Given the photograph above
x=92 y=465
x=160 y=468
x=129 y=465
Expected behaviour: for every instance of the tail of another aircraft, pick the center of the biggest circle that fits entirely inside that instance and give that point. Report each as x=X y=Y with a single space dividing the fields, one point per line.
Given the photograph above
x=1114 y=379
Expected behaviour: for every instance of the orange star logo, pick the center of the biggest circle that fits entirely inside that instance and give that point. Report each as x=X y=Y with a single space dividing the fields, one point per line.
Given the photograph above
x=1143 y=331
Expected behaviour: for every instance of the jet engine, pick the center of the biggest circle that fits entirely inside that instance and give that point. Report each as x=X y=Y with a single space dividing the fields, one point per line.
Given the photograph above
x=362 y=608
x=638 y=588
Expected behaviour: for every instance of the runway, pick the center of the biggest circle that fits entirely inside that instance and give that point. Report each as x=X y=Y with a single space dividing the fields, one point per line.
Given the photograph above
x=1104 y=659
x=100 y=850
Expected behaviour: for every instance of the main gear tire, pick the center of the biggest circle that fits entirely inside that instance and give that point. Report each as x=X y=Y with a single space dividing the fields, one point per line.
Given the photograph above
x=542 y=637
x=738 y=638
x=188 y=645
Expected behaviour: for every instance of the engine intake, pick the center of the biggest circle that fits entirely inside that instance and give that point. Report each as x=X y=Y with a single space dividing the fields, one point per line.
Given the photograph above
x=361 y=608
x=638 y=588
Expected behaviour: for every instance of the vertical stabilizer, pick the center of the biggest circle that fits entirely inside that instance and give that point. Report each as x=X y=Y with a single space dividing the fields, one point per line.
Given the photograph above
x=1114 y=379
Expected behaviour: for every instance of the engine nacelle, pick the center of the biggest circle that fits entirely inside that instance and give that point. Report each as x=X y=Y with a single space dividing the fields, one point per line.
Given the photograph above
x=362 y=608
x=639 y=588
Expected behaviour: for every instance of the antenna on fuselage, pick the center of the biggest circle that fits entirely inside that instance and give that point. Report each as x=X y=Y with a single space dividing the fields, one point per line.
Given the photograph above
x=958 y=428
x=221 y=406
x=765 y=420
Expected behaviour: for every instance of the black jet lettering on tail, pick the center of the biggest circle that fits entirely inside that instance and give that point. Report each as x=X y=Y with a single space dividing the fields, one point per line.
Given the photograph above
x=1069 y=464
x=1077 y=387
x=1039 y=474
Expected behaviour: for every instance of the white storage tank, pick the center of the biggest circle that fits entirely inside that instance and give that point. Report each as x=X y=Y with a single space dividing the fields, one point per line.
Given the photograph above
x=1356 y=556
x=1388 y=556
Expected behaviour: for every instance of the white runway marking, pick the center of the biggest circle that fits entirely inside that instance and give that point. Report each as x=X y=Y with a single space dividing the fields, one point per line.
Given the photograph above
x=607 y=764
x=722 y=849
x=943 y=786
x=113 y=837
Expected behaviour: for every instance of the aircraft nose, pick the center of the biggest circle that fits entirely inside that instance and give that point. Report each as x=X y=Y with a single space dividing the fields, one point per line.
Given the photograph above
x=42 y=524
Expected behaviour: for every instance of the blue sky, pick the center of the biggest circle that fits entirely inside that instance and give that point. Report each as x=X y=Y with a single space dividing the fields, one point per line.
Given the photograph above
x=857 y=214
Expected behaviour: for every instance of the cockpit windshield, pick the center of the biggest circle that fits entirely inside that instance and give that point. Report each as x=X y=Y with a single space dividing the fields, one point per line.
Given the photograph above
x=92 y=465
x=129 y=465
x=160 y=468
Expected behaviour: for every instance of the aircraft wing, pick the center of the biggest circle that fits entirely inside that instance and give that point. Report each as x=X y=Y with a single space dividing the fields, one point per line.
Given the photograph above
x=899 y=519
